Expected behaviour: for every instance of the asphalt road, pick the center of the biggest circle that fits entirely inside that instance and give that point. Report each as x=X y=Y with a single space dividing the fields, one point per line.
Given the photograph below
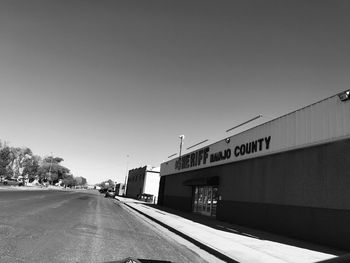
x=67 y=226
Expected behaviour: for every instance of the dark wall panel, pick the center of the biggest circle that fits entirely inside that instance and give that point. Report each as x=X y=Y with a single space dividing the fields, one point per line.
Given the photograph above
x=161 y=190
x=314 y=176
x=176 y=202
x=324 y=226
x=136 y=180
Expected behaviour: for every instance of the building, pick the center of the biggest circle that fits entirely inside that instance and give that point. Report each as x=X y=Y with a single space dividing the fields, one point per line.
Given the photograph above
x=143 y=182
x=119 y=189
x=290 y=175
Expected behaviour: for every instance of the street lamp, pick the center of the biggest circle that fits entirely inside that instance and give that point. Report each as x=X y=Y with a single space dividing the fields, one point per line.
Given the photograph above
x=126 y=174
x=181 y=141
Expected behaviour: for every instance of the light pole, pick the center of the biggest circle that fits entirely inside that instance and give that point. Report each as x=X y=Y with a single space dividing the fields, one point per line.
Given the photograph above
x=181 y=141
x=126 y=174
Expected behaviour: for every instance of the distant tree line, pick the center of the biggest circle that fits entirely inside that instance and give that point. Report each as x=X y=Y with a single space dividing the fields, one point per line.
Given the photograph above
x=106 y=184
x=21 y=163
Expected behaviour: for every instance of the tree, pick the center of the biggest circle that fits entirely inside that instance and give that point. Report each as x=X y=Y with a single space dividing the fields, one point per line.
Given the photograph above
x=20 y=158
x=5 y=160
x=21 y=162
x=51 y=159
x=107 y=184
x=52 y=171
x=84 y=181
x=68 y=180
x=31 y=167
x=17 y=161
x=79 y=180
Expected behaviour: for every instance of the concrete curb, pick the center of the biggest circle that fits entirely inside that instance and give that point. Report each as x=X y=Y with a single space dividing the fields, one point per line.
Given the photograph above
x=188 y=238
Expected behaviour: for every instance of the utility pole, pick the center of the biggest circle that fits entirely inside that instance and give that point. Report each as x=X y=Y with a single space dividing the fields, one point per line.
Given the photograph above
x=50 y=166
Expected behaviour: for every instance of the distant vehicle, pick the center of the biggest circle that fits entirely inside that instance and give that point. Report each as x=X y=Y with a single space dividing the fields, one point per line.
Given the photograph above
x=110 y=193
x=103 y=190
x=146 y=198
x=12 y=181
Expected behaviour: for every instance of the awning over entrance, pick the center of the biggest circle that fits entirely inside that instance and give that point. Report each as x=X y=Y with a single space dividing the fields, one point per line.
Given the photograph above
x=214 y=180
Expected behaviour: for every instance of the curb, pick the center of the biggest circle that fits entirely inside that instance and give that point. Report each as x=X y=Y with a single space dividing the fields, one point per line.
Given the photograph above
x=188 y=238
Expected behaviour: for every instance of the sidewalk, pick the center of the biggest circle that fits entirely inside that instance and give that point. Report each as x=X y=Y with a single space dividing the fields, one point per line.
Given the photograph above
x=230 y=242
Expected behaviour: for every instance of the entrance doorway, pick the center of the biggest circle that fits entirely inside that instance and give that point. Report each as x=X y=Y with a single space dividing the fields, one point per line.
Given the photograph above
x=205 y=200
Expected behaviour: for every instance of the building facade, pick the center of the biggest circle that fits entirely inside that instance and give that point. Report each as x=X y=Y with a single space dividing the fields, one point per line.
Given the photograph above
x=290 y=175
x=143 y=181
x=119 y=189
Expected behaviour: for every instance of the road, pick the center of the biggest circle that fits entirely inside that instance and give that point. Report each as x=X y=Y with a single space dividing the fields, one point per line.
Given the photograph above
x=69 y=226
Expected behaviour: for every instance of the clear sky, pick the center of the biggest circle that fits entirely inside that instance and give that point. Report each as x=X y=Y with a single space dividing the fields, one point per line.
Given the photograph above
x=95 y=81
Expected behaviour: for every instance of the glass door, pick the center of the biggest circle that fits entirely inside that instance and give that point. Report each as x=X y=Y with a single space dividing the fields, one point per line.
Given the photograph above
x=214 y=200
x=195 y=200
x=206 y=206
x=205 y=200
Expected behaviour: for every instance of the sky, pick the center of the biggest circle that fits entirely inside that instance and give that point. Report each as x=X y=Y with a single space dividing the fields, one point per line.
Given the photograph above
x=110 y=85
